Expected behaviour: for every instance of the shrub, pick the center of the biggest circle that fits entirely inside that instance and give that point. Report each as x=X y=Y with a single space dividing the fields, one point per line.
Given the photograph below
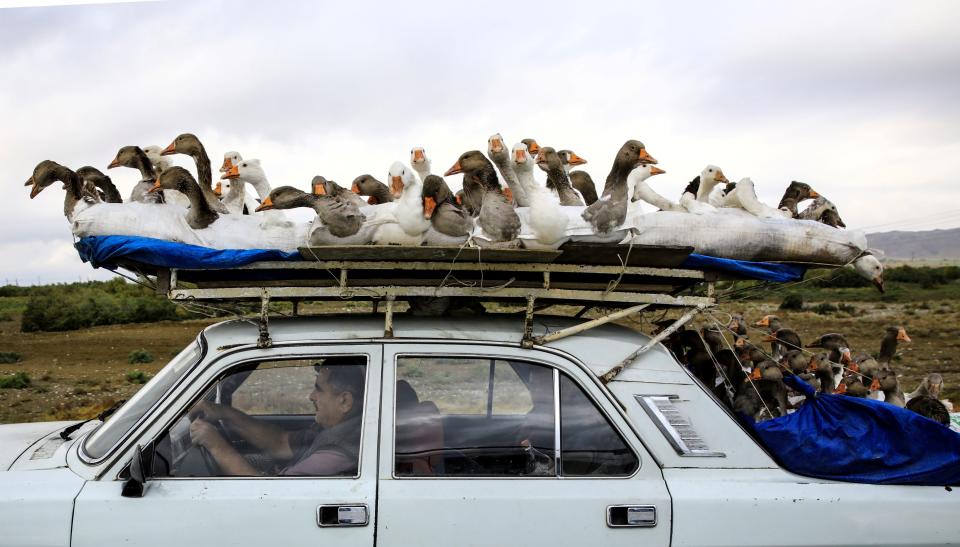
x=847 y=308
x=17 y=380
x=137 y=377
x=825 y=308
x=81 y=305
x=7 y=357
x=139 y=356
x=792 y=302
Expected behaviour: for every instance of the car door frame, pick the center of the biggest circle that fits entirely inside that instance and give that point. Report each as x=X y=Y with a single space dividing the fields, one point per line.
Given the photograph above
x=648 y=471
x=203 y=376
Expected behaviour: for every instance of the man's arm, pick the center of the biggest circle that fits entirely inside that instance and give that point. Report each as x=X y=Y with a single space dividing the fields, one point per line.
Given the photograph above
x=268 y=438
x=204 y=434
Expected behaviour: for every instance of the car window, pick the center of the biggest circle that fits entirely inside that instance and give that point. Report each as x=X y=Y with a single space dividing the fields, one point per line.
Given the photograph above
x=590 y=445
x=272 y=418
x=98 y=443
x=459 y=416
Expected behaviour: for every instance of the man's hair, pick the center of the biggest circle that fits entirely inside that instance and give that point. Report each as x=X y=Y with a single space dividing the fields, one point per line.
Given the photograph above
x=929 y=407
x=346 y=373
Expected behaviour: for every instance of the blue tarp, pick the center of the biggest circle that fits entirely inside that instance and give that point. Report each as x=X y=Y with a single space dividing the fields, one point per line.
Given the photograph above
x=850 y=439
x=103 y=251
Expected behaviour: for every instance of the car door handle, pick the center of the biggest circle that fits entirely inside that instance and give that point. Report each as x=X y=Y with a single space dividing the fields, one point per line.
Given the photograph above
x=342 y=515
x=631 y=516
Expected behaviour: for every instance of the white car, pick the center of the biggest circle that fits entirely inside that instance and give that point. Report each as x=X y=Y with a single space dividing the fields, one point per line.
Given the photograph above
x=454 y=434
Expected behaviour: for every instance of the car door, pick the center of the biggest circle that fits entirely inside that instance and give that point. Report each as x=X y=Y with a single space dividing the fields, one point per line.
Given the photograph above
x=298 y=501
x=486 y=445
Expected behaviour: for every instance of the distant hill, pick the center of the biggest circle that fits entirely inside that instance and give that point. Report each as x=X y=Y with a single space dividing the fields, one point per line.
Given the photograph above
x=927 y=245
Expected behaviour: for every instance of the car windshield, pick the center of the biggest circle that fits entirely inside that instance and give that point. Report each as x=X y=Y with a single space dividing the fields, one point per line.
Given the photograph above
x=106 y=436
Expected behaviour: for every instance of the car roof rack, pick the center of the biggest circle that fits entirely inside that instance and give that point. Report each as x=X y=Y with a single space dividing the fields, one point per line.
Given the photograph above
x=623 y=279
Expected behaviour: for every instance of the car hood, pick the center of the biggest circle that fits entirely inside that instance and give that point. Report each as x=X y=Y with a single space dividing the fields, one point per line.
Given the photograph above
x=18 y=440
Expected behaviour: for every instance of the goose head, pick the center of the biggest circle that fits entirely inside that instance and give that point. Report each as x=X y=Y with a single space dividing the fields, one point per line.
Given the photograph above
x=419 y=160
x=153 y=154
x=633 y=153
x=547 y=158
x=250 y=172
x=800 y=191
x=133 y=157
x=709 y=178
x=320 y=186
x=179 y=179
x=401 y=178
x=93 y=175
x=522 y=160
x=497 y=149
x=285 y=197
x=639 y=174
x=871 y=269
x=46 y=173
x=435 y=192
x=470 y=162
x=229 y=160
x=532 y=146
x=570 y=160
x=185 y=143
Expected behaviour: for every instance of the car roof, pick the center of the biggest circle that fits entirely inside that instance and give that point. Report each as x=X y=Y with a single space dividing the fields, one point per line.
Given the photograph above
x=599 y=348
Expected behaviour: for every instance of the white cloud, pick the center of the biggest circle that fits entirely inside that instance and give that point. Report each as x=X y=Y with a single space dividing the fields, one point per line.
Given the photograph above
x=856 y=100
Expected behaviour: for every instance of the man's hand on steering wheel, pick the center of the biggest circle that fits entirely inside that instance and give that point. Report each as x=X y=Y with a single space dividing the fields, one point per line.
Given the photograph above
x=207 y=435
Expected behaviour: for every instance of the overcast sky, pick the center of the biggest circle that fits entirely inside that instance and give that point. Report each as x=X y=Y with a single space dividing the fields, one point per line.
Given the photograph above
x=859 y=99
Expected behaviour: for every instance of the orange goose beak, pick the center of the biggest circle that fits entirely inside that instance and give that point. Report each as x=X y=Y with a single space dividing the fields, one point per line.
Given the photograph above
x=459 y=199
x=878 y=283
x=902 y=336
x=455 y=170
x=740 y=343
x=155 y=188
x=813 y=194
x=265 y=205
x=519 y=156
x=319 y=189
x=418 y=154
x=429 y=205
x=541 y=158
x=765 y=322
x=875 y=384
x=755 y=375
x=396 y=186
x=719 y=176
x=509 y=194
x=646 y=157
x=841 y=389
x=534 y=148
x=657 y=171
x=355 y=188
x=218 y=189
x=233 y=173
x=496 y=145
x=227 y=164
x=172 y=149
x=574 y=159
x=770 y=338
x=114 y=163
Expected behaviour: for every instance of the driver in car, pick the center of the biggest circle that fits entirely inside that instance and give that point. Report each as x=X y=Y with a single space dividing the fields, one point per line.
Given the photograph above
x=331 y=449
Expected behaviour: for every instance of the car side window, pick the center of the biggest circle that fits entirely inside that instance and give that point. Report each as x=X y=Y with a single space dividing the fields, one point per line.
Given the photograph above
x=590 y=445
x=272 y=418
x=467 y=416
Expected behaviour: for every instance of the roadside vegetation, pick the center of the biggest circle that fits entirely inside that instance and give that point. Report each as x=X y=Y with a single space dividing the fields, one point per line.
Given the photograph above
x=64 y=353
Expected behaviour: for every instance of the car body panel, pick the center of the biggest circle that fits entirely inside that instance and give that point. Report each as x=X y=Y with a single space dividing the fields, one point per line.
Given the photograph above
x=18 y=439
x=36 y=506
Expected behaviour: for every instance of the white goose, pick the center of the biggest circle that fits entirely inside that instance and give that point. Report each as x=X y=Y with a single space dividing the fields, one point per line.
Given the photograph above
x=696 y=196
x=546 y=218
x=250 y=172
x=408 y=224
x=642 y=191
x=744 y=196
x=420 y=162
x=230 y=159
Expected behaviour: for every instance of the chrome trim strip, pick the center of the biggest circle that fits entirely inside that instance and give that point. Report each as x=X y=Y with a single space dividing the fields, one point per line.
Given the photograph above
x=556 y=424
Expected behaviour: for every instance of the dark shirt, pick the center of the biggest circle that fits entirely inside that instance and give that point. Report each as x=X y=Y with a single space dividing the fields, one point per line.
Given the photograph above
x=334 y=451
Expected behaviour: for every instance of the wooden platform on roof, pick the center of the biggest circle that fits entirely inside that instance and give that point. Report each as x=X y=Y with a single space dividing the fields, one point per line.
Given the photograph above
x=595 y=274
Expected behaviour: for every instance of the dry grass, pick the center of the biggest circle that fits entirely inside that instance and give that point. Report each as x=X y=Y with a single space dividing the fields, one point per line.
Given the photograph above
x=77 y=374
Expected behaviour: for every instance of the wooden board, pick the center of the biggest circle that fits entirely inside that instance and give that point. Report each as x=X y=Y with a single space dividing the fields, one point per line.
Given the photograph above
x=606 y=254
x=425 y=253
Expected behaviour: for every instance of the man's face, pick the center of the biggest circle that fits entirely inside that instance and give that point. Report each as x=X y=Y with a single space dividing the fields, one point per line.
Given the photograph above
x=331 y=406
